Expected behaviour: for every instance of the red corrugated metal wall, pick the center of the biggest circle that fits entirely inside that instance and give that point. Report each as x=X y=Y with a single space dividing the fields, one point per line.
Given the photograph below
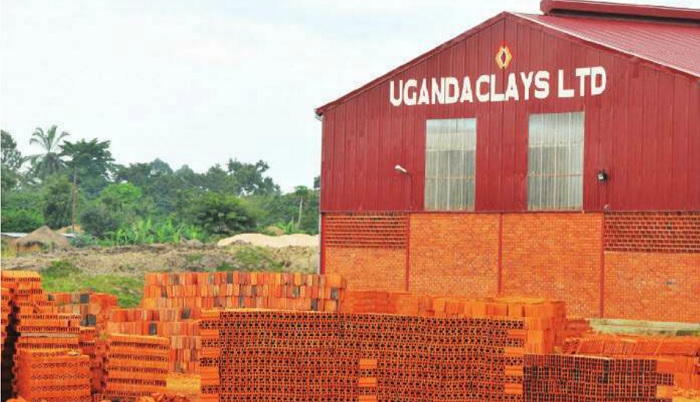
x=644 y=129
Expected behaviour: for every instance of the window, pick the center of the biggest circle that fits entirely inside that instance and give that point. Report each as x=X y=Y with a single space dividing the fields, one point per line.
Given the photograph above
x=555 y=161
x=449 y=164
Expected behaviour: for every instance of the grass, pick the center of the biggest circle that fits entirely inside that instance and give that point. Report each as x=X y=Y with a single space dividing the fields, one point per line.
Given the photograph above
x=63 y=276
x=252 y=258
x=6 y=250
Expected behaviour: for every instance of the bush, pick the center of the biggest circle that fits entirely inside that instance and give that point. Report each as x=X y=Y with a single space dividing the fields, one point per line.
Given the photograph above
x=98 y=220
x=220 y=215
x=21 y=220
x=252 y=258
x=83 y=240
x=60 y=269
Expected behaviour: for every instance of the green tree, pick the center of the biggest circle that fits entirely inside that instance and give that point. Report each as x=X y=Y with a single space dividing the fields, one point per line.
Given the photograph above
x=121 y=197
x=99 y=221
x=11 y=157
x=12 y=161
x=157 y=182
x=302 y=193
x=220 y=214
x=49 y=161
x=250 y=178
x=22 y=211
x=118 y=205
x=90 y=164
x=57 y=202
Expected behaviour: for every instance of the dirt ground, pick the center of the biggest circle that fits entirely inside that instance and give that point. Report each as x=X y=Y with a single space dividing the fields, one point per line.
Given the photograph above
x=137 y=260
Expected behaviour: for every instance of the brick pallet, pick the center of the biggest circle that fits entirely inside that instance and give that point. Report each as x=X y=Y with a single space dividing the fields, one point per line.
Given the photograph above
x=5 y=309
x=55 y=375
x=93 y=308
x=567 y=378
x=546 y=319
x=677 y=355
x=134 y=366
x=262 y=355
x=35 y=329
x=173 y=302
x=25 y=292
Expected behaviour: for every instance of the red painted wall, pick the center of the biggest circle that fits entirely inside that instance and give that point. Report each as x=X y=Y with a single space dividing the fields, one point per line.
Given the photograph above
x=644 y=129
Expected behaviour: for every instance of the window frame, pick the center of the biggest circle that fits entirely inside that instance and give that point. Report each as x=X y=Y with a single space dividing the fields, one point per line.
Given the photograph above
x=443 y=195
x=553 y=182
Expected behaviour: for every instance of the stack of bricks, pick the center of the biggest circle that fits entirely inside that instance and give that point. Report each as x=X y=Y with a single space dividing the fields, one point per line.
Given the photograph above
x=316 y=356
x=678 y=355
x=134 y=366
x=53 y=375
x=568 y=378
x=173 y=302
x=92 y=307
x=37 y=328
x=179 y=325
x=285 y=291
x=25 y=295
x=50 y=340
x=546 y=320
x=87 y=341
x=5 y=309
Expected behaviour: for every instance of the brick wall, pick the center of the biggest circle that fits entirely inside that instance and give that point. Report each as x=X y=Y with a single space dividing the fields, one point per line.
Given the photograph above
x=455 y=254
x=652 y=286
x=653 y=232
x=368 y=268
x=554 y=255
x=651 y=262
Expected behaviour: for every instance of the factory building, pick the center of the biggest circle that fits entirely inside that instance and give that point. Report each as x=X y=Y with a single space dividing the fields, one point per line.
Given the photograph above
x=553 y=155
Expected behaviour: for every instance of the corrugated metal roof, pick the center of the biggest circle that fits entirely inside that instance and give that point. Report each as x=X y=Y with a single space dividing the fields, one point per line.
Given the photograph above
x=673 y=45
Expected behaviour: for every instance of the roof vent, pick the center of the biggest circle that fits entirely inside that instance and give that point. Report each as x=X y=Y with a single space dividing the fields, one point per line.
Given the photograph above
x=617 y=10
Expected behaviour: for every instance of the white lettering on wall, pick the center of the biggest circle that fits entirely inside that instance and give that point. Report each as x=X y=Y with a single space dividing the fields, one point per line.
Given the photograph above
x=583 y=81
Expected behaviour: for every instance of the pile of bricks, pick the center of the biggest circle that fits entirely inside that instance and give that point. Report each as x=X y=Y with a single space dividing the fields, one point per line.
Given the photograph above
x=37 y=332
x=173 y=302
x=134 y=366
x=592 y=378
x=546 y=320
x=677 y=355
x=92 y=307
x=314 y=356
x=179 y=325
x=5 y=309
x=53 y=375
x=285 y=291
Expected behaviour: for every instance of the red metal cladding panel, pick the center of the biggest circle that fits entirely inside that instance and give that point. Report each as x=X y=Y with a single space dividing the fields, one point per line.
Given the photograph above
x=643 y=130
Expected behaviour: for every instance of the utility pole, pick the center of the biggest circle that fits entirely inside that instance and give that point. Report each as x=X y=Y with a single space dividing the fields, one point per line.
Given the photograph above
x=75 y=196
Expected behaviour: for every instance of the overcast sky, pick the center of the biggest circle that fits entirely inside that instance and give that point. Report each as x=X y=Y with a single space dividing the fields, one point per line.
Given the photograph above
x=198 y=82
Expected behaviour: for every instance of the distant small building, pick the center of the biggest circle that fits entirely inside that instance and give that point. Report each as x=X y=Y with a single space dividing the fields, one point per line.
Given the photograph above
x=40 y=239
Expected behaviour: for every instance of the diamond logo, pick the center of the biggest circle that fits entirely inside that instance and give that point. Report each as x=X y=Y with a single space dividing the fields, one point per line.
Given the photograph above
x=503 y=57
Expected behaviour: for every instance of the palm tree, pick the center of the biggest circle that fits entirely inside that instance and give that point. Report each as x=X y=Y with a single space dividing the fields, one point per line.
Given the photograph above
x=49 y=161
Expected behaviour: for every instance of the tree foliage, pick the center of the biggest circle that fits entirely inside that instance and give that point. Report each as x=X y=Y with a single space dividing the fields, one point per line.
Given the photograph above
x=220 y=214
x=89 y=163
x=143 y=202
x=49 y=161
x=12 y=161
x=57 y=202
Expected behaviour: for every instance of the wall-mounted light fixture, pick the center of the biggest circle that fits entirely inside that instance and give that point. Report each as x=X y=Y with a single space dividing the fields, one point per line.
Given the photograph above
x=400 y=169
x=602 y=175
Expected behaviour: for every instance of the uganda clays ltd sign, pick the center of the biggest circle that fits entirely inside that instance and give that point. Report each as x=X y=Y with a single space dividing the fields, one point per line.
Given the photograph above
x=523 y=85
